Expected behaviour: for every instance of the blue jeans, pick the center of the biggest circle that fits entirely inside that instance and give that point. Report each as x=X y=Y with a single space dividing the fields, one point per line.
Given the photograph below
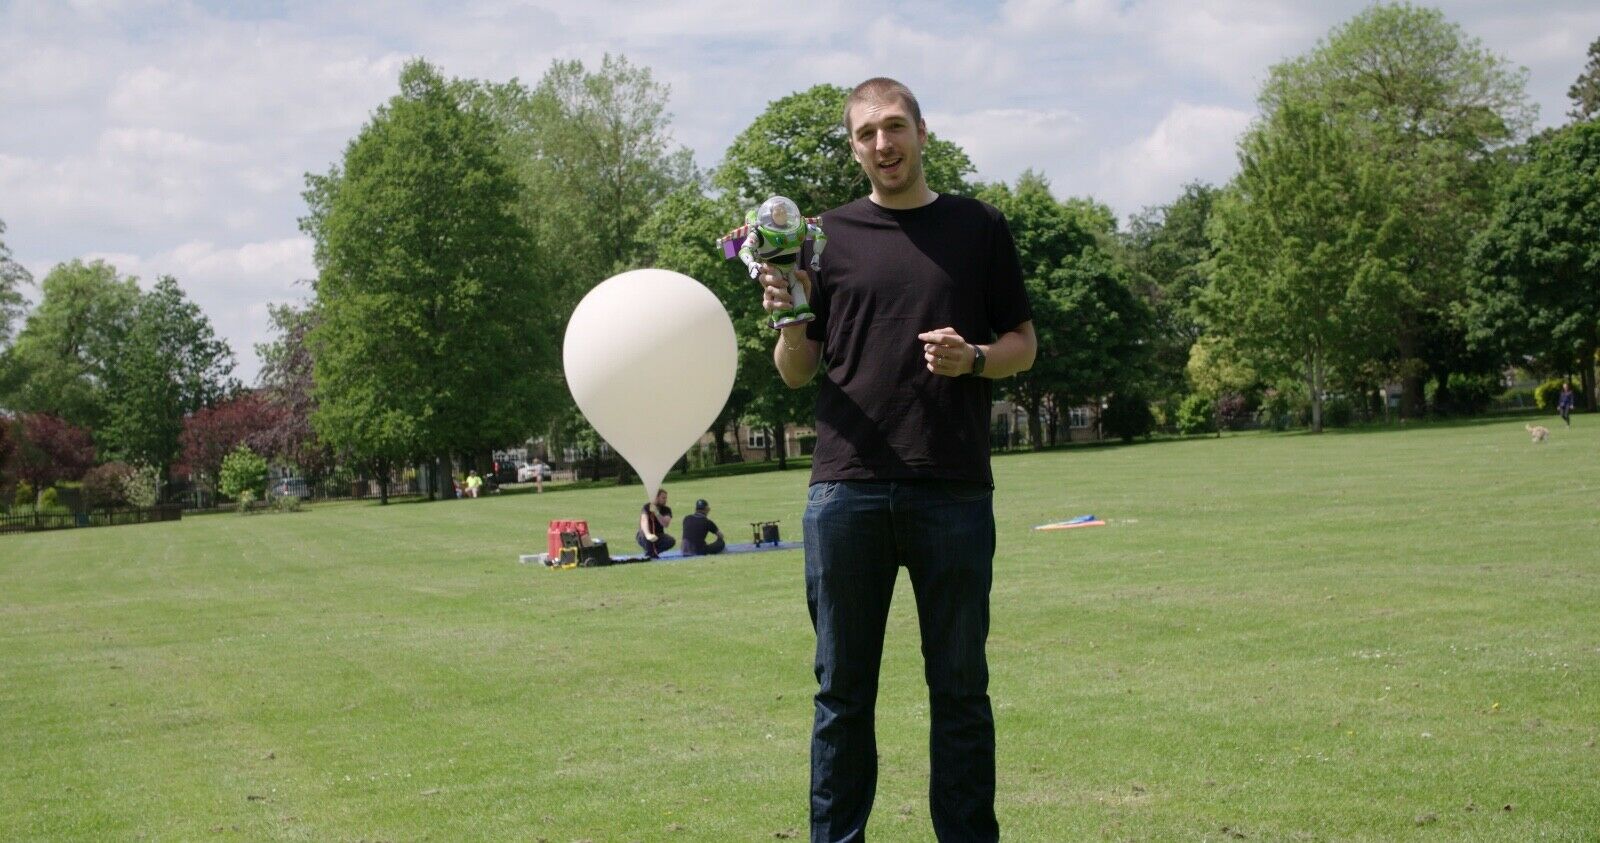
x=857 y=536
x=652 y=549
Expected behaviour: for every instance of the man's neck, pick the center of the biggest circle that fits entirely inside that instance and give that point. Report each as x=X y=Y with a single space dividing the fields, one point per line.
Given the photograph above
x=905 y=200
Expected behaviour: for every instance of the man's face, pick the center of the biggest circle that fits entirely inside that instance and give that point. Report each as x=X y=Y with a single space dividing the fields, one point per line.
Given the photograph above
x=661 y=498
x=888 y=145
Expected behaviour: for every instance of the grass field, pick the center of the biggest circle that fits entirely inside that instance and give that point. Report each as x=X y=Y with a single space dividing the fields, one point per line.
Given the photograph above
x=1374 y=636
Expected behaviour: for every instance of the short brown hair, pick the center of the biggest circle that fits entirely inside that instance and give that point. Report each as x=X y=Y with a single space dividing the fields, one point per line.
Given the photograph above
x=880 y=89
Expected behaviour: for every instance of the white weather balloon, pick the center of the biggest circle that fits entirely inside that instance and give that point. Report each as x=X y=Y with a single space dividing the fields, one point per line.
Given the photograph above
x=650 y=358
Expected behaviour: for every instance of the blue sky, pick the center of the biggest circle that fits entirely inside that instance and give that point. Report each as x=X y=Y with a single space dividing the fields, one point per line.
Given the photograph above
x=172 y=137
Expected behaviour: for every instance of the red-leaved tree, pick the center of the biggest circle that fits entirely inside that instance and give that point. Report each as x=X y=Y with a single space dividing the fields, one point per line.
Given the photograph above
x=47 y=449
x=8 y=446
x=287 y=387
x=209 y=435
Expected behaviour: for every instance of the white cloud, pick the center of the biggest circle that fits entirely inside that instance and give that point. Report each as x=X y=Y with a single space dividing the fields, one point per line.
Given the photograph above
x=174 y=134
x=1002 y=142
x=232 y=284
x=1191 y=142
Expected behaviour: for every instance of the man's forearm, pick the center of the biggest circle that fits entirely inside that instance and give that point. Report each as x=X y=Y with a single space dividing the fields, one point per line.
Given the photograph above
x=1011 y=353
x=796 y=356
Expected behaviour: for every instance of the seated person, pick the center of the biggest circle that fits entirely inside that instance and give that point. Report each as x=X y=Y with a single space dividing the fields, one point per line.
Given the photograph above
x=697 y=527
x=653 y=521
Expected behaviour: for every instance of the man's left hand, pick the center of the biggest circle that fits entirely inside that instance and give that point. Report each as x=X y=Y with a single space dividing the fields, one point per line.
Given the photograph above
x=947 y=353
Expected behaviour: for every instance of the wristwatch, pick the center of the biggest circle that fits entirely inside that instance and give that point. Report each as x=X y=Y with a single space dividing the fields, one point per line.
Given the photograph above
x=978 y=359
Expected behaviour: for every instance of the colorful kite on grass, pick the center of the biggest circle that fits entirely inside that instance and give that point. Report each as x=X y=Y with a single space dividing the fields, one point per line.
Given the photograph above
x=1080 y=521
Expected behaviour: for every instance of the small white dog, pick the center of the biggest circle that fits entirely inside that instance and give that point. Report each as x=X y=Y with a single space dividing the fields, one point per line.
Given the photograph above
x=1539 y=432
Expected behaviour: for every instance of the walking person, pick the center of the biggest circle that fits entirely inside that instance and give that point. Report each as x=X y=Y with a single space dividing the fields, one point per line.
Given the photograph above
x=1564 y=402
x=920 y=304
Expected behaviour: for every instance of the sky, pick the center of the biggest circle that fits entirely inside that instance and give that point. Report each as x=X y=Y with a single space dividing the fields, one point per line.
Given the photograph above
x=173 y=137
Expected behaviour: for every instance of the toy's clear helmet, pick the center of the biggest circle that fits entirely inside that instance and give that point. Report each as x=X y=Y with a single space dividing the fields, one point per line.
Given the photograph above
x=779 y=215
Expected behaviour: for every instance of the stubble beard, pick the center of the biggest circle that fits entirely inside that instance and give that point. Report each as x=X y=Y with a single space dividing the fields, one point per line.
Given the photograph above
x=909 y=180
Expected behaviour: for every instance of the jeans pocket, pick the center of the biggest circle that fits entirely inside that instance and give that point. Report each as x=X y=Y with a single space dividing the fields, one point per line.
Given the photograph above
x=821 y=493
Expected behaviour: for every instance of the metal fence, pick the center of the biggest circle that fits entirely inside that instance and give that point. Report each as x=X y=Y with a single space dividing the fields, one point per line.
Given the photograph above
x=99 y=518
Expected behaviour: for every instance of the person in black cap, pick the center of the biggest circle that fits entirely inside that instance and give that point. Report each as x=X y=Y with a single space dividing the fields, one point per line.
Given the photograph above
x=697 y=527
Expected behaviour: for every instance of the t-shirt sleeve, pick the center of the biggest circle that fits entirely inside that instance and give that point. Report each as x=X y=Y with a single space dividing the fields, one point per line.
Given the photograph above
x=1007 y=297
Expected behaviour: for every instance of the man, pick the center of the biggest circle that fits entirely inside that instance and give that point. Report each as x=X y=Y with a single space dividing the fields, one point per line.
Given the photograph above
x=919 y=303
x=1565 y=401
x=698 y=525
x=653 y=521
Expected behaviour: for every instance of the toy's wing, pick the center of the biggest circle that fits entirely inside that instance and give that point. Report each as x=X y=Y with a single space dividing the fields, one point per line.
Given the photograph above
x=731 y=241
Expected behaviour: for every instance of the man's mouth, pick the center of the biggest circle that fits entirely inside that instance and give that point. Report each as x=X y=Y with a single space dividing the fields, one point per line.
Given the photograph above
x=890 y=165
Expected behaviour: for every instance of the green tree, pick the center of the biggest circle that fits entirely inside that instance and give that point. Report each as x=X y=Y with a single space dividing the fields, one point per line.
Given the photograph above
x=432 y=336
x=1585 y=92
x=59 y=362
x=243 y=470
x=13 y=277
x=1167 y=251
x=1216 y=368
x=1300 y=284
x=169 y=364
x=1537 y=289
x=1438 y=112
x=595 y=155
x=1083 y=309
x=1104 y=339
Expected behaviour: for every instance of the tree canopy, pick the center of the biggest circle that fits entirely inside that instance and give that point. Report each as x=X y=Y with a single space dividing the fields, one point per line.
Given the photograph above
x=1437 y=111
x=1301 y=281
x=1537 y=285
x=427 y=339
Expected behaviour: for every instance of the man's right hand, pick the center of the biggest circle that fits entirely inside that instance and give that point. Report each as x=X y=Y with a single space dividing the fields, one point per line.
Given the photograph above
x=775 y=288
x=649 y=537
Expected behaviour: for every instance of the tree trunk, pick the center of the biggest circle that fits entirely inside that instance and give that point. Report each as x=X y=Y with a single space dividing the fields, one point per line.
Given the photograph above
x=382 y=470
x=1316 y=394
x=1411 y=398
x=1586 y=374
x=444 y=477
x=1444 y=402
x=1035 y=427
x=781 y=442
x=722 y=441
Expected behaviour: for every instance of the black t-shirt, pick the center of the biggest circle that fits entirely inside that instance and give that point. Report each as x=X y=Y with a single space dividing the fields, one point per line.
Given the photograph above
x=695 y=529
x=655 y=523
x=887 y=276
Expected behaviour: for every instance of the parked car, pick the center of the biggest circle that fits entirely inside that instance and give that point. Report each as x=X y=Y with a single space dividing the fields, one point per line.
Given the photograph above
x=505 y=471
x=528 y=472
x=287 y=486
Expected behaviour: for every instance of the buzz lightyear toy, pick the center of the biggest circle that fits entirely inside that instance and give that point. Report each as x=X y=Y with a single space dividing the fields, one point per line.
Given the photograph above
x=773 y=234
